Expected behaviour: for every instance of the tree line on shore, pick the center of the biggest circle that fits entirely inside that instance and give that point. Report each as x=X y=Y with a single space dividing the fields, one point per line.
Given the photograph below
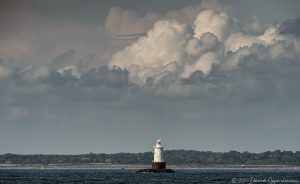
x=171 y=156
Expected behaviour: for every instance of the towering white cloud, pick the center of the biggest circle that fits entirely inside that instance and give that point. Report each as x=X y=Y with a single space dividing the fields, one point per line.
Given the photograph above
x=170 y=43
x=173 y=51
x=155 y=53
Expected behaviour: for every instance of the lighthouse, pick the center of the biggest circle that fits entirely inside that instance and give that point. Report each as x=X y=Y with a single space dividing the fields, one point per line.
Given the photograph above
x=158 y=162
x=158 y=159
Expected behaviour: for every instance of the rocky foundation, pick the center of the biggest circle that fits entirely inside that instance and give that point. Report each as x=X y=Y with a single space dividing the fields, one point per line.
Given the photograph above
x=155 y=171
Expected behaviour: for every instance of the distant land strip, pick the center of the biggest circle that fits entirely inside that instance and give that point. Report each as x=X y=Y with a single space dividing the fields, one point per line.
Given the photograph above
x=189 y=158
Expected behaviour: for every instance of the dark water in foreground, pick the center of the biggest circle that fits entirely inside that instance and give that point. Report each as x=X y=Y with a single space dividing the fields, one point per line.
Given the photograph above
x=205 y=176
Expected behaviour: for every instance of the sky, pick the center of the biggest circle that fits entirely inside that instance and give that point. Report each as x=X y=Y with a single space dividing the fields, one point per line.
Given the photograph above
x=113 y=76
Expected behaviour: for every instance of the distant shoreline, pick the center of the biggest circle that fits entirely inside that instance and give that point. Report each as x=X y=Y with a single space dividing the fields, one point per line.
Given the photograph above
x=138 y=166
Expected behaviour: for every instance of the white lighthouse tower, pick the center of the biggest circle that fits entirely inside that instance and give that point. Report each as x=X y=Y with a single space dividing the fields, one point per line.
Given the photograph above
x=158 y=161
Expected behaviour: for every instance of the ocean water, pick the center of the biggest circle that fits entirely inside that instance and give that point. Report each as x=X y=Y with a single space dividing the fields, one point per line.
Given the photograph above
x=108 y=176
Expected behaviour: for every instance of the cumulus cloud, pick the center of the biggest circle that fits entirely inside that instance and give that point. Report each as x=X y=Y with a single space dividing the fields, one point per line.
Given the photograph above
x=171 y=43
x=220 y=24
x=173 y=54
x=204 y=53
x=153 y=54
x=180 y=47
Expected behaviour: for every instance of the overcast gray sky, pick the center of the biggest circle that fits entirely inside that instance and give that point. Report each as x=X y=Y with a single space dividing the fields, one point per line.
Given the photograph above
x=113 y=76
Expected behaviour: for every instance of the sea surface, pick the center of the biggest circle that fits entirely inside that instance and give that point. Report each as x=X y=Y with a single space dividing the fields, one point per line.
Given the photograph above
x=108 y=176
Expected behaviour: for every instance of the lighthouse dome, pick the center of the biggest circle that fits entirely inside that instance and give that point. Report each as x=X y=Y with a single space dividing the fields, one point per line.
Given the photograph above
x=158 y=143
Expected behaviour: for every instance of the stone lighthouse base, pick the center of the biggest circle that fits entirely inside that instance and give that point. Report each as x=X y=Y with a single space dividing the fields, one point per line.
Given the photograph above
x=157 y=167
